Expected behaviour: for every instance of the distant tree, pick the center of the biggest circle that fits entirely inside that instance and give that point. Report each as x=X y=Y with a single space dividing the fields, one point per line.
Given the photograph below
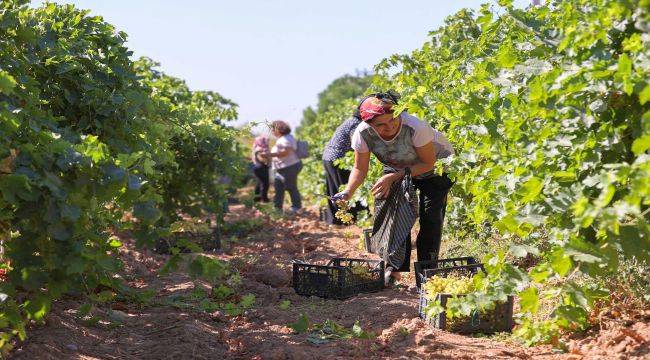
x=344 y=88
x=308 y=116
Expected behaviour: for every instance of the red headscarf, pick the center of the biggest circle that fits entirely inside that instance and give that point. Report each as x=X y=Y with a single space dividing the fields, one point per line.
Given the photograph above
x=372 y=107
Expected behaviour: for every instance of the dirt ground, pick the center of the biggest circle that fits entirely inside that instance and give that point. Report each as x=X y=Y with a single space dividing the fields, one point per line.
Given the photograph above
x=133 y=331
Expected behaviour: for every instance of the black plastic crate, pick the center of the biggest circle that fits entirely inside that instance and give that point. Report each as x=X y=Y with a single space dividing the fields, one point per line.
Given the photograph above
x=367 y=234
x=208 y=242
x=420 y=266
x=336 y=279
x=498 y=319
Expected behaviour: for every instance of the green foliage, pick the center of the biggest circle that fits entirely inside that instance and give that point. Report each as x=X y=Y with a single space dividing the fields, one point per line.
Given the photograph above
x=329 y=330
x=93 y=142
x=302 y=325
x=204 y=151
x=547 y=110
x=207 y=268
x=284 y=305
x=222 y=292
x=344 y=88
x=246 y=302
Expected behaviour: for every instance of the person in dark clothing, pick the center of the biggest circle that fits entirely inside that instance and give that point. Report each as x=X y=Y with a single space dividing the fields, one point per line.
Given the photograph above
x=408 y=148
x=335 y=149
x=261 y=168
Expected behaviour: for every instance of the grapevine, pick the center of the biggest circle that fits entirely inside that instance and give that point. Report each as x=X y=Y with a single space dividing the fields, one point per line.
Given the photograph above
x=92 y=142
x=548 y=111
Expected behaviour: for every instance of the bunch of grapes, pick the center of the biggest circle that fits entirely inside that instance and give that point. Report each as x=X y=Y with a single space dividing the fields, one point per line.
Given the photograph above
x=361 y=272
x=343 y=212
x=448 y=285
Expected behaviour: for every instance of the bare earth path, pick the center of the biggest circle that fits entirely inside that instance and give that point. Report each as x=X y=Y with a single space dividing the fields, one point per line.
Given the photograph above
x=167 y=332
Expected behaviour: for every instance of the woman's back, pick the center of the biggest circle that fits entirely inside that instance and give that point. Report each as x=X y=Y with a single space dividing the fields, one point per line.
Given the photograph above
x=340 y=143
x=285 y=142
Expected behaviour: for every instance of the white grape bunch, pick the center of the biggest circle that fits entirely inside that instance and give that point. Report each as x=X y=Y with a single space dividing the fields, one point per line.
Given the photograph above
x=343 y=212
x=453 y=285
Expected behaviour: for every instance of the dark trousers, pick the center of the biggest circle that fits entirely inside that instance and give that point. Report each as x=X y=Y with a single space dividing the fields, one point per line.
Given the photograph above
x=261 y=173
x=286 y=179
x=433 y=202
x=334 y=178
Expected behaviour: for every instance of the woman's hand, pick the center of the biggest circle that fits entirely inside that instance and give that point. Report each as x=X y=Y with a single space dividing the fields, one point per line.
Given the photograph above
x=342 y=196
x=381 y=189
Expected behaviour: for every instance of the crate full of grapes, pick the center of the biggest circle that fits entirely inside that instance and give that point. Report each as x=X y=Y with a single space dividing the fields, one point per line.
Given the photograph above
x=421 y=266
x=440 y=286
x=341 y=278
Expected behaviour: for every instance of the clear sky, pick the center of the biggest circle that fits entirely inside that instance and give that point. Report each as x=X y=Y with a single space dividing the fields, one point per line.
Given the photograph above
x=271 y=57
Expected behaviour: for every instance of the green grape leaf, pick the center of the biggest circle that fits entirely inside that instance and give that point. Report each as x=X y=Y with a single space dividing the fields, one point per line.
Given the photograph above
x=15 y=187
x=146 y=211
x=37 y=307
x=540 y=273
x=284 y=305
x=247 y=301
x=531 y=189
x=75 y=265
x=7 y=83
x=523 y=250
x=529 y=300
x=302 y=325
x=641 y=144
x=560 y=263
x=644 y=96
x=115 y=243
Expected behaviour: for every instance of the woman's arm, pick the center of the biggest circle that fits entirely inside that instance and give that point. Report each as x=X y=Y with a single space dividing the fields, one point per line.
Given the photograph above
x=358 y=173
x=427 y=156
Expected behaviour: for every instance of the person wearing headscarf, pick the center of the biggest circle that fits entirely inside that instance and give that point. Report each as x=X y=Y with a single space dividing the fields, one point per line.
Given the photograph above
x=261 y=168
x=408 y=148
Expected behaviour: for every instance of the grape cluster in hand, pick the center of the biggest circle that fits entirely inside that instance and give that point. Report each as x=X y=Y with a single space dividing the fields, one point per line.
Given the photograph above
x=343 y=213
